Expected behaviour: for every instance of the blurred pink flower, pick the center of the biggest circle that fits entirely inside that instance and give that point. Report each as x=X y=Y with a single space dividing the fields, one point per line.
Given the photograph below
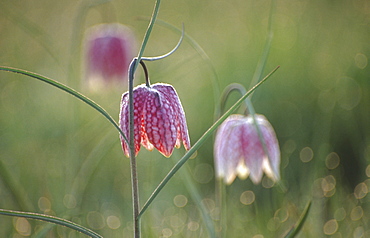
x=159 y=119
x=109 y=49
x=239 y=151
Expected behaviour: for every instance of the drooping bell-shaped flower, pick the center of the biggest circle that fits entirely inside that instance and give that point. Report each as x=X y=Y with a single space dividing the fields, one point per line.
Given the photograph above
x=109 y=49
x=159 y=119
x=238 y=149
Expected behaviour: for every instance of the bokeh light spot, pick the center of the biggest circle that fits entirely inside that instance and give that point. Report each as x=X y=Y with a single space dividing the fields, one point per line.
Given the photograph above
x=332 y=160
x=368 y=171
x=306 y=154
x=361 y=190
x=167 y=232
x=95 y=220
x=247 y=197
x=359 y=232
x=113 y=222
x=282 y=214
x=203 y=173
x=340 y=214
x=193 y=226
x=267 y=182
x=209 y=204
x=44 y=204
x=330 y=227
x=357 y=213
x=348 y=93
x=328 y=185
x=289 y=146
x=69 y=201
x=361 y=60
x=22 y=226
x=180 y=200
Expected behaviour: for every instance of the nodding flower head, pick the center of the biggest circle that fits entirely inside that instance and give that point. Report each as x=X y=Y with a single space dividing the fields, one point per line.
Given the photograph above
x=239 y=151
x=109 y=49
x=159 y=119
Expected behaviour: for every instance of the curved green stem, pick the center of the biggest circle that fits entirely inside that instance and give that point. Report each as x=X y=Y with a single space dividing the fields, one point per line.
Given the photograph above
x=169 y=53
x=192 y=42
x=134 y=178
x=51 y=219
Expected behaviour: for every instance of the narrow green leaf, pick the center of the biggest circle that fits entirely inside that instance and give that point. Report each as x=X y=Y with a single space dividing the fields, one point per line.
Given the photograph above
x=69 y=90
x=51 y=219
x=199 y=143
x=298 y=226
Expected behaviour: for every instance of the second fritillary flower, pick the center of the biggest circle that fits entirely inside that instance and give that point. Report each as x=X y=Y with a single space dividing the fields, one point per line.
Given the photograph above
x=238 y=149
x=159 y=119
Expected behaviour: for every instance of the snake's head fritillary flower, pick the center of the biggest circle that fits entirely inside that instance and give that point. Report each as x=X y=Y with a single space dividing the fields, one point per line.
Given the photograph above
x=239 y=151
x=159 y=119
x=109 y=49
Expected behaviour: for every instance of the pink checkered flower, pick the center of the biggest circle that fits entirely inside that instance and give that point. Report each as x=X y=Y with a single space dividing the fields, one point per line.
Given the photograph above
x=159 y=119
x=109 y=49
x=239 y=151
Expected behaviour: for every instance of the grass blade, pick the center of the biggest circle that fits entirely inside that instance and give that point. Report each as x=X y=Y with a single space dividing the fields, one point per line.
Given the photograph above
x=51 y=219
x=298 y=226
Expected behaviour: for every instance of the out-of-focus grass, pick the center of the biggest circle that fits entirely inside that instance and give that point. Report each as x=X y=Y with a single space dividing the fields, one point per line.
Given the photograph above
x=62 y=158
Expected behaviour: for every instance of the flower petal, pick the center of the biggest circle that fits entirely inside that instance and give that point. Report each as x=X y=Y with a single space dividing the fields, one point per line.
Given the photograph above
x=140 y=97
x=180 y=121
x=271 y=168
x=227 y=150
x=159 y=122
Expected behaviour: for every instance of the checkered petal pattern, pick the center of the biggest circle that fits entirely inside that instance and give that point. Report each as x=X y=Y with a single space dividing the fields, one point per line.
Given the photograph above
x=159 y=119
x=239 y=152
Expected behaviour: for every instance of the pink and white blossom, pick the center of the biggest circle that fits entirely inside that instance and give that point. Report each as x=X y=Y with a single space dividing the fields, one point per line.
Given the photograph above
x=159 y=119
x=239 y=152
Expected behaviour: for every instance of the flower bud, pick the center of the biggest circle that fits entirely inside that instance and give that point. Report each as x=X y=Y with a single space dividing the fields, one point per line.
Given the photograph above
x=109 y=49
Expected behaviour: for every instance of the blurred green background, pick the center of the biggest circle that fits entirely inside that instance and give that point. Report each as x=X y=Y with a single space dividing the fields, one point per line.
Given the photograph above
x=62 y=158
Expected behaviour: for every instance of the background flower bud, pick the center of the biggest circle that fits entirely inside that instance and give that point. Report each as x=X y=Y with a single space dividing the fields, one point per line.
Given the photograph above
x=109 y=49
x=238 y=150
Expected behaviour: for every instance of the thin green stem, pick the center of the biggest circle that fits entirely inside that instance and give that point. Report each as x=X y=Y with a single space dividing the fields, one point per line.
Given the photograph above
x=198 y=144
x=266 y=49
x=147 y=33
x=134 y=177
x=51 y=219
